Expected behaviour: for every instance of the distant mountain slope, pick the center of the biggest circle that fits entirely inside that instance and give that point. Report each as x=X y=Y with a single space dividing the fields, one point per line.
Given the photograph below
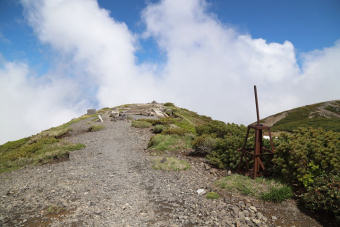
x=324 y=115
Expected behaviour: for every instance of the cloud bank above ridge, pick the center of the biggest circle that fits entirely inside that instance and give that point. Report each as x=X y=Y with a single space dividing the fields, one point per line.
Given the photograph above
x=209 y=66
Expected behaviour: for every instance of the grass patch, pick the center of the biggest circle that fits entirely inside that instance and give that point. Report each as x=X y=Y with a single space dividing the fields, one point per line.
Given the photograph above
x=33 y=150
x=277 y=195
x=174 y=130
x=95 y=128
x=169 y=163
x=158 y=129
x=45 y=147
x=266 y=189
x=64 y=129
x=162 y=142
x=141 y=124
x=212 y=195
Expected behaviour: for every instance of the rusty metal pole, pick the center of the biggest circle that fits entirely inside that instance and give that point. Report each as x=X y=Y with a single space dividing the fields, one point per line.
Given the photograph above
x=258 y=149
x=257 y=105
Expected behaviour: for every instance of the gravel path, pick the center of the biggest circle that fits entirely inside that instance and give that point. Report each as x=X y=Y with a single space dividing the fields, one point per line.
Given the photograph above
x=111 y=183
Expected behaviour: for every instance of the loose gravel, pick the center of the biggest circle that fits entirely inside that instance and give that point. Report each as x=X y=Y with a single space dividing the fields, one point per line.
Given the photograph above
x=111 y=183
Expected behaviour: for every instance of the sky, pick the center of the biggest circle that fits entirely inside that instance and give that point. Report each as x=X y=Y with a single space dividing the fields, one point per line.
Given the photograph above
x=61 y=57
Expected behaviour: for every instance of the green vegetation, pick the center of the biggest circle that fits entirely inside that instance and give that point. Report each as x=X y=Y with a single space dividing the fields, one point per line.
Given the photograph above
x=306 y=160
x=334 y=109
x=309 y=116
x=174 y=131
x=277 y=195
x=33 y=150
x=212 y=195
x=141 y=124
x=169 y=104
x=162 y=142
x=309 y=159
x=95 y=128
x=203 y=145
x=324 y=195
x=170 y=163
x=158 y=129
x=45 y=147
x=266 y=189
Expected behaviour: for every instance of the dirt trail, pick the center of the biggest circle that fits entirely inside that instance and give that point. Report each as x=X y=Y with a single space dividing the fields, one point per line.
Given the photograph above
x=111 y=183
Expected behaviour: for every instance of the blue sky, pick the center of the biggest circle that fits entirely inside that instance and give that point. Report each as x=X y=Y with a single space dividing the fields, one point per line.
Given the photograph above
x=308 y=24
x=58 y=58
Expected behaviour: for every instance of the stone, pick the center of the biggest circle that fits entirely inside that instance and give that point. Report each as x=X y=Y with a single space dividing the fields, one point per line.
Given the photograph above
x=229 y=173
x=248 y=221
x=274 y=218
x=256 y=221
x=201 y=191
x=91 y=111
x=245 y=213
x=259 y=215
x=253 y=209
x=100 y=118
x=235 y=211
x=241 y=215
x=114 y=113
x=241 y=204
x=159 y=113
x=207 y=167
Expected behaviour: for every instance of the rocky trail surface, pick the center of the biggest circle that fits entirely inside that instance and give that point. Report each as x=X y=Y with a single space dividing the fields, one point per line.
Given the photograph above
x=111 y=183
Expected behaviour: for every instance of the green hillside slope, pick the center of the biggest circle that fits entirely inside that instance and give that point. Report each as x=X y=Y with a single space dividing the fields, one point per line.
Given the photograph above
x=324 y=115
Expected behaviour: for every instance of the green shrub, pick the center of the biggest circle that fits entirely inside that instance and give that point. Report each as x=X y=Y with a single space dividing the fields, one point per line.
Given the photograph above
x=141 y=124
x=277 y=195
x=170 y=104
x=212 y=195
x=305 y=154
x=309 y=159
x=158 y=129
x=203 y=145
x=324 y=195
x=217 y=128
x=174 y=131
x=225 y=153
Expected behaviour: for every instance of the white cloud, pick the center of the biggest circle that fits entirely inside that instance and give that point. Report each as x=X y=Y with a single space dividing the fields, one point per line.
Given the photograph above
x=30 y=105
x=209 y=67
x=212 y=68
x=103 y=47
